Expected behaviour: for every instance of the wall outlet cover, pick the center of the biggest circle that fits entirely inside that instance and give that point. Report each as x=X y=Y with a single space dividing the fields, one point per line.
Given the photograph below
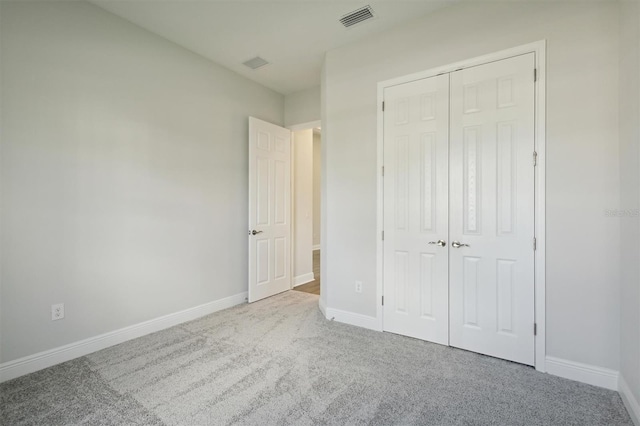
x=57 y=311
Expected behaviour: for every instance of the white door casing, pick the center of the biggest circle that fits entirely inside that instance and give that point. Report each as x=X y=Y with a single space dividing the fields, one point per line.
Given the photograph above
x=416 y=132
x=269 y=209
x=492 y=209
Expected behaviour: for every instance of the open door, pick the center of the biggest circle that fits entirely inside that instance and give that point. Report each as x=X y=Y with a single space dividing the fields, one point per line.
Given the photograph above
x=269 y=209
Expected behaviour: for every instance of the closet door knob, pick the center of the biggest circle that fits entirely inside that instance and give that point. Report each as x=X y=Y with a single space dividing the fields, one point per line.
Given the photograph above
x=440 y=243
x=457 y=244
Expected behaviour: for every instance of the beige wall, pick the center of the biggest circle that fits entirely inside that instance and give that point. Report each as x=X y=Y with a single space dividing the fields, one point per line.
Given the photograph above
x=582 y=276
x=124 y=175
x=303 y=205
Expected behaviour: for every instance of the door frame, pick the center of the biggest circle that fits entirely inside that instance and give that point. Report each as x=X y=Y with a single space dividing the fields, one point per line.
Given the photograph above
x=539 y=50
x=296 y=128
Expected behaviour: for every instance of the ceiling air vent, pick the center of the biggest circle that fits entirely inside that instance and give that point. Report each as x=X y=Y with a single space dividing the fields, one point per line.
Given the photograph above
x=255 y=63
x=357 y=16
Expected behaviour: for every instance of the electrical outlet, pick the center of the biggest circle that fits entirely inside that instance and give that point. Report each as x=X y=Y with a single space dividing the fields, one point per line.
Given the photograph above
x=358 y=286
x=57 y=311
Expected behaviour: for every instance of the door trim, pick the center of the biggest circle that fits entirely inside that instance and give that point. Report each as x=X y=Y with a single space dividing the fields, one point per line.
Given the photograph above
x=539 y=50
x=304 y=126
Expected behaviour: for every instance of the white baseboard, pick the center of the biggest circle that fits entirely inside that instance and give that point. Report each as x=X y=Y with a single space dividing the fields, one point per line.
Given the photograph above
x=351 y=318
x=29 y=364
x=630 y=401
x=303 y=279
x=584 y=373
x=316 y=247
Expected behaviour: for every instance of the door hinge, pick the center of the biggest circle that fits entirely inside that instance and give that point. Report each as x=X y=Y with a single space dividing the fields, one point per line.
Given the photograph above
x=382 y=300
x=535 y=158
x=535 y=329
x=535 y=74
x=382 y=105
x=535 y=245
x=382 y=235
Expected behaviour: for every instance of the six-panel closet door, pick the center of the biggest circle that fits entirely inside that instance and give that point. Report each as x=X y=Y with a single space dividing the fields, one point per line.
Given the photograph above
x=491 y=274
x=459 y=209
x=416 y=159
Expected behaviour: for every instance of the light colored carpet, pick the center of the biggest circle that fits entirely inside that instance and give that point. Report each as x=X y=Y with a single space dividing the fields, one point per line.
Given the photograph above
x=279 y=362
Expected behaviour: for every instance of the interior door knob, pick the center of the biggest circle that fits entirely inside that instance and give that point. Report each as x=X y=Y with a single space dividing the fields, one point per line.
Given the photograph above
x=440 y=243
x=254 y=232
x=457 y=244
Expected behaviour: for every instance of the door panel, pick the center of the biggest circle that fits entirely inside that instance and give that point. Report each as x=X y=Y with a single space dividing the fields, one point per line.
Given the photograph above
x=492 y=209
x=269 y=209
x=416 y=126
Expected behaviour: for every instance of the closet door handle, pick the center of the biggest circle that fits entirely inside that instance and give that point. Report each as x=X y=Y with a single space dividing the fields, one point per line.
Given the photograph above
x=457 y=244
x=440 y=243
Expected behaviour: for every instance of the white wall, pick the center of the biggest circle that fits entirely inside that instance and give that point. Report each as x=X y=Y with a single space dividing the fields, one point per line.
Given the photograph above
x=582 y=276
x=1 y=190
x=302 y=107
x=303 y=205
x=317 y=182
x=124 y=175
x=324 y=220
x=630 y=196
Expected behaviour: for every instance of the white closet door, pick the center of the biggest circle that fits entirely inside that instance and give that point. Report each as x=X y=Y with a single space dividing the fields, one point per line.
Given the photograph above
x=492 y=209
x=416 y=131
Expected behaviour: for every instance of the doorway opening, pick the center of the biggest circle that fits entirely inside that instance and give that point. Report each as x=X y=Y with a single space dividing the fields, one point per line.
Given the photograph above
x=306 y=177
x=281 y=208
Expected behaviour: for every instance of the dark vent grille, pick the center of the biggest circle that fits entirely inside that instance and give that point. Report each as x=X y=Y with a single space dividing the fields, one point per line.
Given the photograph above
x=256 y=62
x=357 y=16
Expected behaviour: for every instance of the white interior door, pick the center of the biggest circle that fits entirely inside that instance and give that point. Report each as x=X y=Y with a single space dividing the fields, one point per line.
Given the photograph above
x=269 y=209
x=416 y=132
x=492 y=209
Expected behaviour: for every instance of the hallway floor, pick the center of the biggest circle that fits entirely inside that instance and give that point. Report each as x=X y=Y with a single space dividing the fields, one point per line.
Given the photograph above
x=312 y=287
